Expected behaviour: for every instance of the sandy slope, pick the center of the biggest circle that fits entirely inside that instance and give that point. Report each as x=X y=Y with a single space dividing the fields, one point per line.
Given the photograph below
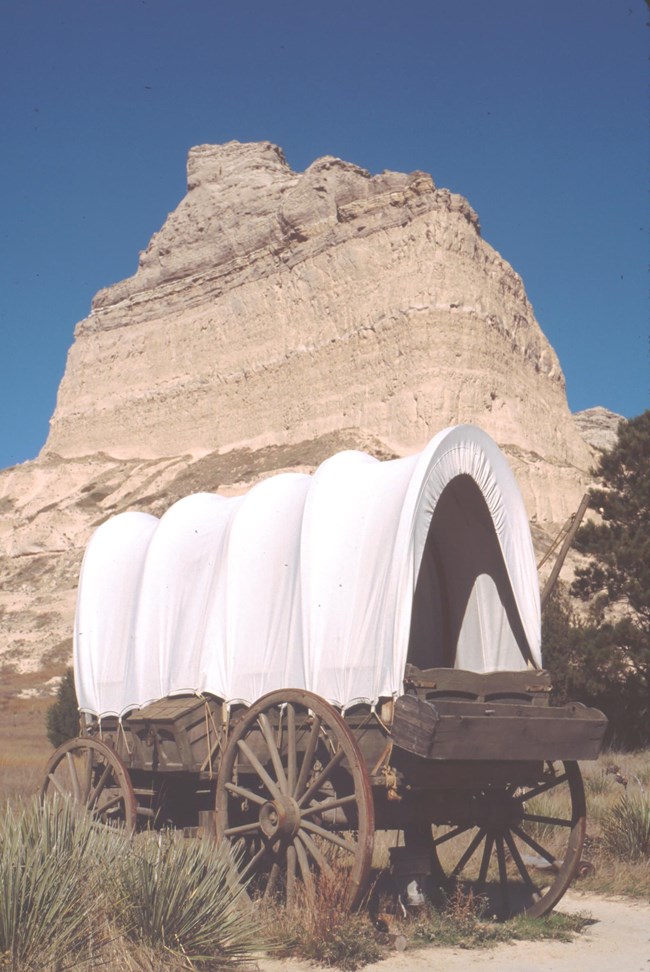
x=619 y=938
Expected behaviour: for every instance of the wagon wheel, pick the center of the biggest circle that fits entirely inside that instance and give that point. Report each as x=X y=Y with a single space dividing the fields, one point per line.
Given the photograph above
x=519 y=846
x=294 y=798
x=93 y=777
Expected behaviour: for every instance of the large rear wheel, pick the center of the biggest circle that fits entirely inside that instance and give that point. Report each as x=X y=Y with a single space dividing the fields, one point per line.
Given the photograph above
x=518 y=847
x=294 y=799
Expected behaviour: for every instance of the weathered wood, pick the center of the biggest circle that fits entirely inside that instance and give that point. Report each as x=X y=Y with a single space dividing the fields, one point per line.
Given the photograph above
x=170 y=735
x=571 y=531
x=529 y=685
x=414 y=724
x=460 y=729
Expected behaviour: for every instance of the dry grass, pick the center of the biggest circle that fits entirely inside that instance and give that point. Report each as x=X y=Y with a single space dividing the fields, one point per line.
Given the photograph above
x=24 y=746
x=321 y=928
x=614 y=781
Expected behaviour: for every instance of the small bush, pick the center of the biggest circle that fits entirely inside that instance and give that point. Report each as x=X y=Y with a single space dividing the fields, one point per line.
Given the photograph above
x=179 y=897
x=626 y=828
x=62 y=719
x=322 y=929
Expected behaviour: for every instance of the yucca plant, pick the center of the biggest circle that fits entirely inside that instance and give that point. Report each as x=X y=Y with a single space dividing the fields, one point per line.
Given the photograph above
x=626 y=828
x=51 y=886
x=181 y=898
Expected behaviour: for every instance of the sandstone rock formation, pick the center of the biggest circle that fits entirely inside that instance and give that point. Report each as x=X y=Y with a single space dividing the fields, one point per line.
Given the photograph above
x=275 y=307
x=276 y=318
x=598 y=426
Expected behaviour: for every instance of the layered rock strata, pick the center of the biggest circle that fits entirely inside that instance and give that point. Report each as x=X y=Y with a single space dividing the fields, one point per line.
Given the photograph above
x=275 y=307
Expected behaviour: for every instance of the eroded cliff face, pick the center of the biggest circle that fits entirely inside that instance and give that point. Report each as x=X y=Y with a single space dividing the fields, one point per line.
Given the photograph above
x=276 y=307
x=277 y=318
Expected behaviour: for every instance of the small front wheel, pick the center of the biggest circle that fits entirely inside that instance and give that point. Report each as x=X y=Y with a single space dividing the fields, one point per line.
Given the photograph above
x=93 y=777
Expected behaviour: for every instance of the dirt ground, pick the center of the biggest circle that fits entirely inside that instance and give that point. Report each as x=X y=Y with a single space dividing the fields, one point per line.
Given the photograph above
x=619 y=938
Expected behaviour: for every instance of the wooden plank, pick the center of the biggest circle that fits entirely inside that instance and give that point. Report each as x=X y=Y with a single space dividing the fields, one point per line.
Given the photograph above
x=166 y=710
x=530 y=684
x=465 y=730
x=179 y=727
x=460 y=707
x=414 y=724
x=516 y=738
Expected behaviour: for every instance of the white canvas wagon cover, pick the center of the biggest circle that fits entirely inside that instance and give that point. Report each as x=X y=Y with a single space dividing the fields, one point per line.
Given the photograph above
x=328 y=582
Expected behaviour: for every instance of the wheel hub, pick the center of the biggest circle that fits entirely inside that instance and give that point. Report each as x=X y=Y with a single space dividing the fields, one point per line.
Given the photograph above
x=497 y=810
x=280 y=818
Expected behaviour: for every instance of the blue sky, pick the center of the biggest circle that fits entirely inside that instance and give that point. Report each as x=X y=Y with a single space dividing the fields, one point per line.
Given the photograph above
x=537 y=113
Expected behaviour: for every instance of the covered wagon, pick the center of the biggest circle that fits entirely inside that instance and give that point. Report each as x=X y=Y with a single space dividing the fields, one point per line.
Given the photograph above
x=325 y=656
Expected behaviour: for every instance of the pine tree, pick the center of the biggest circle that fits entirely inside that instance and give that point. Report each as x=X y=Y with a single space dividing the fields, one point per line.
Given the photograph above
x=63 y=715
x=611 y=667
x=620 y=545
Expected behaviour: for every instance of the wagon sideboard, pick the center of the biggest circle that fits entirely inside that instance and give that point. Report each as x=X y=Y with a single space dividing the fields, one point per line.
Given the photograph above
x=457 y=715
x=445 y=715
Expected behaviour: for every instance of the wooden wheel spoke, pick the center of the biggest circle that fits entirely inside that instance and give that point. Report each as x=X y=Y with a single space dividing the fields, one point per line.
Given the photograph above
x=499 y=809
x=303 y=864
x=527 y=839
x=298 y=749
x=474 y=843
x=250 y=868
x=271 y=786
x=76 y=764
x=543 y=788
x=551 y=821
x=322 y=777
x=292 y=766
x=347 y=845
x=291 y=873
x=503 y=875
x=101 y=783
x=87 y=777
x=246 y=794
x=74 y=779
x=57 y=786
x=272 y=882
x=308 y=758
x=450 y=835
x=521 y=867
x=249 y=828
x=485 y=860
x=108 y=805
x=328 y=805
x=274 y=753
x=313 y=849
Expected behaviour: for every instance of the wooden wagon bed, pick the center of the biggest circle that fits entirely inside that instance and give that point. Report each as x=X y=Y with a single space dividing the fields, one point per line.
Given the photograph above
x=451 y=714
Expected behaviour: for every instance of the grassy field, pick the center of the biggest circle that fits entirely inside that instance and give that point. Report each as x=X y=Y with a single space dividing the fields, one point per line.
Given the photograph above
x=24 y=746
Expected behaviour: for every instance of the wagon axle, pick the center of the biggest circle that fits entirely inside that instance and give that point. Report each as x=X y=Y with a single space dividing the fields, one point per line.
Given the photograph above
x=280 y=818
